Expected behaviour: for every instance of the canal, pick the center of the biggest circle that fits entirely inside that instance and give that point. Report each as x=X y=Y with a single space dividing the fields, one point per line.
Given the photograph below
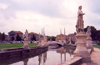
x=53 y=56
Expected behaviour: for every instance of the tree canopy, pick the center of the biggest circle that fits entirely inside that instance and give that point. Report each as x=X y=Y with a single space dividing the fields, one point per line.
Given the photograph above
x=3 y=36
x=95 y=34
x=53 y=38
x=33 y=38
x=0 y=36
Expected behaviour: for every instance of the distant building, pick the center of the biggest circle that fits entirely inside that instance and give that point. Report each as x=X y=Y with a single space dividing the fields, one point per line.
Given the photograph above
x=13 y=34
x=72 y=36
x=6 y=37
x=61 y=37
x=30 y=36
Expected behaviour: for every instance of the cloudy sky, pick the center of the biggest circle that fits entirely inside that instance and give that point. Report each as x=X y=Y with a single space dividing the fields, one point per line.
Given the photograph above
x=53 y=15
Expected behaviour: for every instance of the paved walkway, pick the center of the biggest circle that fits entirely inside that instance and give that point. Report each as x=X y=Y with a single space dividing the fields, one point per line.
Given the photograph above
x=95 y=57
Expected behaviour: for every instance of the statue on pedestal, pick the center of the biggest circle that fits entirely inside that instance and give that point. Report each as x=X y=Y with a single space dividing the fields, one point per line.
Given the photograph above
x=26 y=40
x=89 y=40
x=26 y=35
x=42 y=39
x=81 y=49
x=80 y=22
x=88 y=32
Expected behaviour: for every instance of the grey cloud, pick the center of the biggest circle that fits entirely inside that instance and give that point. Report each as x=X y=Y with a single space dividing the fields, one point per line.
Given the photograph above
x=2 y=25
x=50 y=8
x=94 y=6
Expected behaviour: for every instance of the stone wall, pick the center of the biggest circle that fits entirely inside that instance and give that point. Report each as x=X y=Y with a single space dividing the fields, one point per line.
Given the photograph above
x=14 y=55
x=74 y=61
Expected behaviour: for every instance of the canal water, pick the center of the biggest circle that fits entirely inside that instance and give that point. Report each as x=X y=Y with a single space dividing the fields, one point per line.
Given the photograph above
x=51 y=57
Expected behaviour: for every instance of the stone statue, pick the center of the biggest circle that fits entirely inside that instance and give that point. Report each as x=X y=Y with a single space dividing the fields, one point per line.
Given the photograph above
x=89 y=39
x=26 y=34
x=26 y=40
x=81 y=49
x=80 y=22
x=88 y=32
x=42 y=39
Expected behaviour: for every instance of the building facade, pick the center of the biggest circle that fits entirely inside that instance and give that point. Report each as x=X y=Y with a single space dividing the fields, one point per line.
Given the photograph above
x=72 y=37
x=61 y=37
x=31 y=34
x=13 y=34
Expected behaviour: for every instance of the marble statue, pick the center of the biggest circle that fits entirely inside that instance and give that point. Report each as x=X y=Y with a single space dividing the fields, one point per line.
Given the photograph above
x=81 y=49
x=80 y=22
x=89 y=39
x=88 y=32
x=43 y=39
x=26 y=34
x=26 y=40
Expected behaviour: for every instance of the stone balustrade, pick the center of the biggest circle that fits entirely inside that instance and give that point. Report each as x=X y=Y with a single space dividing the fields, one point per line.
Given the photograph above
x=20 y=53
x=73 y=61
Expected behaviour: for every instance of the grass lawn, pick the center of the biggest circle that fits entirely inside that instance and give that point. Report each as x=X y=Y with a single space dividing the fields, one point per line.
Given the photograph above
x=14 y=45
x=96 y=46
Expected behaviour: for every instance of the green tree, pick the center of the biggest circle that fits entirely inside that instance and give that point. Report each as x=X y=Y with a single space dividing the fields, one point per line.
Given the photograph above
x=0 y=36
x=93 y=32
x=33 y=37
x=18 y=38
x=3 y=36
x=53 y=38
x=48 y=37
x=98 y=36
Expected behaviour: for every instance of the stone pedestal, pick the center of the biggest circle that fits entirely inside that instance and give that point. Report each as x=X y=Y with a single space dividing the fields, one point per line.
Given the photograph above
x=64 y=41
x=26 y=44
x=81 y=49
x=89 y=43
x=42 y=42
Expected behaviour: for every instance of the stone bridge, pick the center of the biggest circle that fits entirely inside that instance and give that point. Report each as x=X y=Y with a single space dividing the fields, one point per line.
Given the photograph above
x=55 y=42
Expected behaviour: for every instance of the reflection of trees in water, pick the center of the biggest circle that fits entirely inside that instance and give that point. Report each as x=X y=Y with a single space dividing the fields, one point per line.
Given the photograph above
x=42 y=57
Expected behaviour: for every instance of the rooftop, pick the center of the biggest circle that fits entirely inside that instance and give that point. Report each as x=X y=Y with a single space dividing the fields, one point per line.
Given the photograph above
x=61 y=35
x=18 y=31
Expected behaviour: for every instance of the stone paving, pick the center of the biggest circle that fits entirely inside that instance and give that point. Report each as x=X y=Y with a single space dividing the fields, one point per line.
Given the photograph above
x=95 y=57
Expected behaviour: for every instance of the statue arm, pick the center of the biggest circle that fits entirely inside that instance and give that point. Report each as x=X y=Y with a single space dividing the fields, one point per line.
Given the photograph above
x=80 y=12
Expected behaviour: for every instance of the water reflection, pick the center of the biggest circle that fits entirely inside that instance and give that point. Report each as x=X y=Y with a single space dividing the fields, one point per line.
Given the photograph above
x=39 y=59
x=63 y=52
x=25 y=61
x=67 y=53
x=50 y=57
x=42 y=57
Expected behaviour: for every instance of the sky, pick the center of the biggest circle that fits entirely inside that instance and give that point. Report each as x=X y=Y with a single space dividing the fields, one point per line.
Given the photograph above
x=52 y=15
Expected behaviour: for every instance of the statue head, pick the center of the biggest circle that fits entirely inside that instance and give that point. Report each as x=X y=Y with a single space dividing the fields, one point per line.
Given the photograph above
x=80 y=7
